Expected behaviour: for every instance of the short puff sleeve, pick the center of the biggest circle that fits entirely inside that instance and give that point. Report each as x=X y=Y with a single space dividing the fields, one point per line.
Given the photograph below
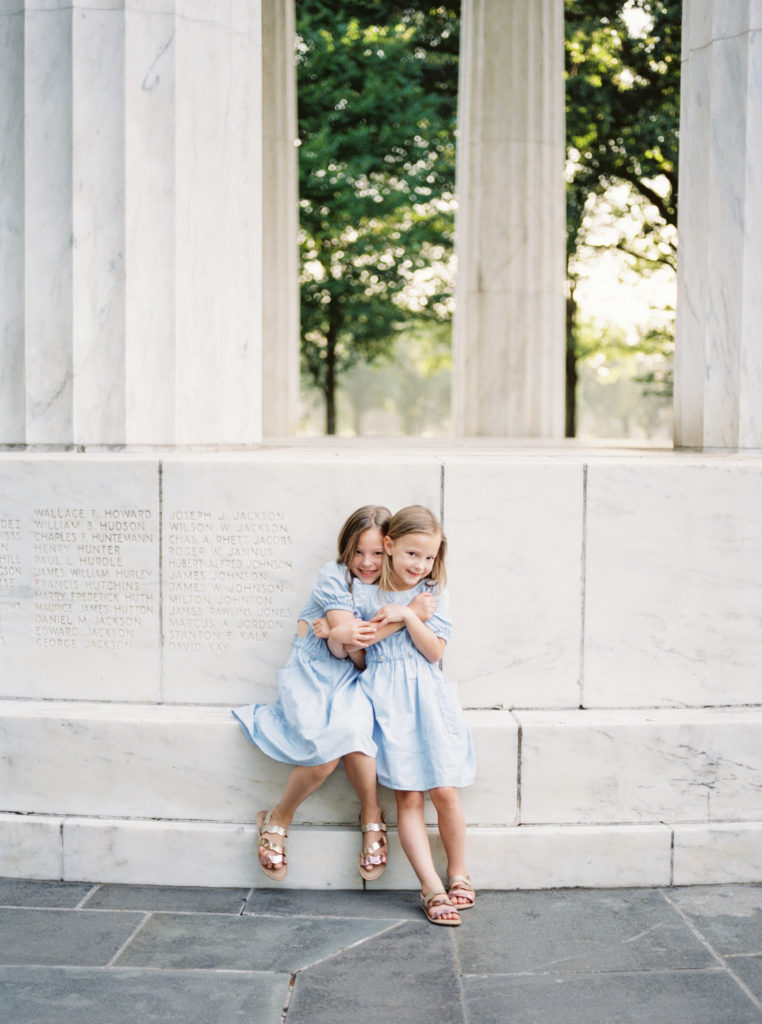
x=332 y=589
x=440 y=622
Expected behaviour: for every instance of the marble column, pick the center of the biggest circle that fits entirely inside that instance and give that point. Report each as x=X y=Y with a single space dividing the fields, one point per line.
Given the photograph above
x=11 y=224
x=280 y=223
x=718 y=357
x=135 y=177
x=508 y=347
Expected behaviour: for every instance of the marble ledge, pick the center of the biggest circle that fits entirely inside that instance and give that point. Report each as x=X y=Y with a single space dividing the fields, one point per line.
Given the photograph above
x=223 y=854
x=395 y=448
x=602 y=718
x=227 y=14
x=599 y=767
x=717 y=853
x=527 y=857
x=195 y=764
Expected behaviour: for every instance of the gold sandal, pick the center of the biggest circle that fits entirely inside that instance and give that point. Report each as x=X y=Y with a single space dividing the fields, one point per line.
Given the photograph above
x=436 y=904
x=277 y=854
x=371 y=853
x=460 y=885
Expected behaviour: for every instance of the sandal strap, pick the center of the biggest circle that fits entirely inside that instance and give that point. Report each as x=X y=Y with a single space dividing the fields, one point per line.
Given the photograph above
x=368 y=851
x=372 y=861
x=460 y=882
x=437 y=903
x=276 y=848
x=375 y=826
x=430 y=898
x=275 y=860
x=275 y=829
x=374 y=855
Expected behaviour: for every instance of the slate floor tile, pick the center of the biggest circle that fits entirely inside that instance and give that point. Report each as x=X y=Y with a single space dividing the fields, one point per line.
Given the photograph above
x=47 y=995
x=334 y=903
x=154 y=897
x=728 y=916
x=63 y=937
x=576 y=930
x=749 y=970
x=649 y=997
x=406 y=975
x=221 y=942
x=22 y=892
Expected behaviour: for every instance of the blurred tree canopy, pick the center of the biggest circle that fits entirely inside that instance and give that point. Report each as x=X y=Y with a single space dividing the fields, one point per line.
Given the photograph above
x=377 y=93
x=622 y=124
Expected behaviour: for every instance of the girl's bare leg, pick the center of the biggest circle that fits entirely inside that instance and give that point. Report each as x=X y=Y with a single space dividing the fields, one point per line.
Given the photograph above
x=302 y=782
x=452 y=829
x=361 y=772
x=415 y=843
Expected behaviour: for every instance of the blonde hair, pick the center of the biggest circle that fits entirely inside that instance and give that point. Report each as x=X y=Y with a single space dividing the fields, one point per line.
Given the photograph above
x=362 y=519
x=416 y=519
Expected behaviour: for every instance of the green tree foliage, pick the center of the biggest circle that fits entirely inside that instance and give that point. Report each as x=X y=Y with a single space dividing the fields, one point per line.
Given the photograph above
x=612 y=401
x=409 y=393
x=377 y=88
x=622 y=122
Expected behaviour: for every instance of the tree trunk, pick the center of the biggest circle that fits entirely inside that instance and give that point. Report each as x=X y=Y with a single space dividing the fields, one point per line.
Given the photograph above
x=571 y=364
x=330 y=382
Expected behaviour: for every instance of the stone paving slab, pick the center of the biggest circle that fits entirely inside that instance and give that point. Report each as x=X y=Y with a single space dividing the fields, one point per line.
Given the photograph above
x=578 y=930
x=22 y=892
x=63 y=937
x=729 y=916
x=155 y=898
x=50 y=995
x=749 y=970
x=407 y=975
x=217 y=942
x=647 y=997
x=107 y=954
x=335 y=903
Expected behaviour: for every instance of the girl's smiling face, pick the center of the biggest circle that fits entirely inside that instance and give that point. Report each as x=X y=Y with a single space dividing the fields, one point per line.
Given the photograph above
x=369 y=556
x=412 y=557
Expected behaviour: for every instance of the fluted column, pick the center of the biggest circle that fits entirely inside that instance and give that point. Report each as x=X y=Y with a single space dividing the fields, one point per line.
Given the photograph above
x=11 y=223
x=508 y=373
x=133 y=219
x=718 y=357
x=280 y=224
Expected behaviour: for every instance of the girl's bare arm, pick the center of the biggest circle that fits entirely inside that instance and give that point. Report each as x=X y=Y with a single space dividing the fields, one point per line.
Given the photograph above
x=348 y=635
x=429 y=644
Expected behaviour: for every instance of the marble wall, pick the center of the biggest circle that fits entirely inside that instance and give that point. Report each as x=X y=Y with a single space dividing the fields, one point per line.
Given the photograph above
x=718 y=359
x=148 y=219
x=607 y=648
x=508 y=332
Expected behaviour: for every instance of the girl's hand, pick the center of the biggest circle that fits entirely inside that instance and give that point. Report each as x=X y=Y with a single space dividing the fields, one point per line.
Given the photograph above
x=355 y=633
x=424 y=606
x=320 y=628
x=391 y=613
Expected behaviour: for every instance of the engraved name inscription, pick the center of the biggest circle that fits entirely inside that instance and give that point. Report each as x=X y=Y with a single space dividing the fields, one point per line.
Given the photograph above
x=91 y=584
x=226 y=575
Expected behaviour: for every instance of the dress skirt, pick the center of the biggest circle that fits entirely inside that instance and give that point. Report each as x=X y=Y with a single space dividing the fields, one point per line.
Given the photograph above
x=321 y=712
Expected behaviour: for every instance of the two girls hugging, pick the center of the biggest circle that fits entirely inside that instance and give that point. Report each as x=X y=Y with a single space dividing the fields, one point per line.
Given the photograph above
x=363 y=684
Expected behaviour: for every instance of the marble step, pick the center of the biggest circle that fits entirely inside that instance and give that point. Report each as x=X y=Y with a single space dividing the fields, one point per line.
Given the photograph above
x=180 y=762
x=167 y=794
x=193 y=763
x=325 y=857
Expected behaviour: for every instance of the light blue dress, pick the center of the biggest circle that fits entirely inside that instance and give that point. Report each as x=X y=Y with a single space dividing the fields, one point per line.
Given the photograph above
x=321 y=712
x=422 y=736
